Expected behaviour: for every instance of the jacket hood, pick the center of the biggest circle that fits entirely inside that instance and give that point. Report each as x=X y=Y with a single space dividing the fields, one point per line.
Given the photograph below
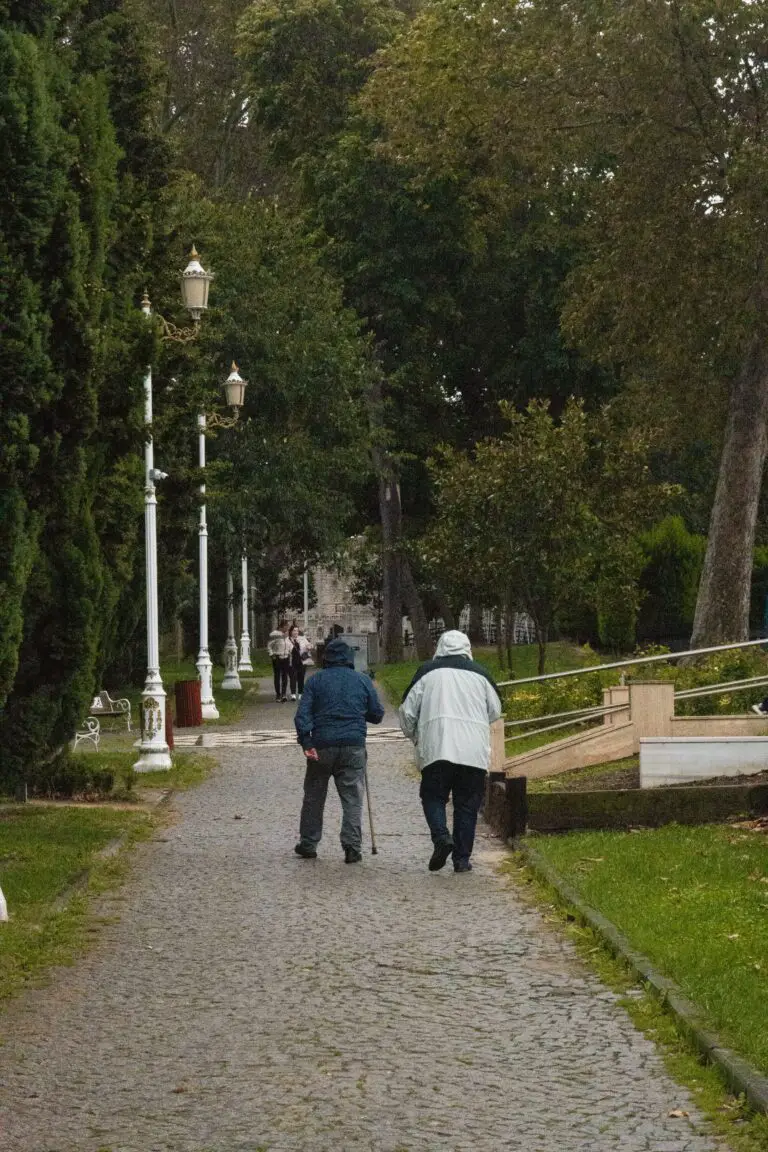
x=276 y=635
x=338 y=655
x=453 y=643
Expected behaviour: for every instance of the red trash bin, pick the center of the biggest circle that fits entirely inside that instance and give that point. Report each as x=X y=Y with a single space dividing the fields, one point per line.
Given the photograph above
x=168 y=725
x=189 y=709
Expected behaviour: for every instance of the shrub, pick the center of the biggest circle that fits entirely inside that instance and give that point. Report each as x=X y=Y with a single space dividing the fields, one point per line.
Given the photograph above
x=669 y=580
x=69 y=775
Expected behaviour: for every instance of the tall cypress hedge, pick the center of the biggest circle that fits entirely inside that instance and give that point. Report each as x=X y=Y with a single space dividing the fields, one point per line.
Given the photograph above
x=80 y=173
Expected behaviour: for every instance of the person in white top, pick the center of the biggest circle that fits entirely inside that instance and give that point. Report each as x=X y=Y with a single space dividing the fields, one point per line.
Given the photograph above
x=279 y=650
x=447 y=711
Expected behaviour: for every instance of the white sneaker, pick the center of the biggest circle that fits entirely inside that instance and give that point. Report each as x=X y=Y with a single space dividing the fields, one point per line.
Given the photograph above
x=293 y=695
x=759 y=709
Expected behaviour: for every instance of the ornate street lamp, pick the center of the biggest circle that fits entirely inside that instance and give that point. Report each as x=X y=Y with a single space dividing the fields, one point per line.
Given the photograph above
x=153 y=748
x=234 y=389
x=231 y=679
x=244 y=664
x=195 y=282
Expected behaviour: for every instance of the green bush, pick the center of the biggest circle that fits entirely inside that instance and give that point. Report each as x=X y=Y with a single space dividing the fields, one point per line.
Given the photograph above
x=758 y=610
x=669 y=580
x=70 y=775
x=532 y=700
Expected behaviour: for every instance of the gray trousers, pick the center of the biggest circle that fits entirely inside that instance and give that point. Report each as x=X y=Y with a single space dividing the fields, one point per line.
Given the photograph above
x=347 y=766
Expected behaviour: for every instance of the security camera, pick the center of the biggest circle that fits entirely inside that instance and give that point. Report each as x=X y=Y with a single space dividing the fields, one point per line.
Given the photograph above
x=155 y=474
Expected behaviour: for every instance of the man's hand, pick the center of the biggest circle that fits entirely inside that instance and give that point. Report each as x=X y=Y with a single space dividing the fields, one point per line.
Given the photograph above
x=311 y=754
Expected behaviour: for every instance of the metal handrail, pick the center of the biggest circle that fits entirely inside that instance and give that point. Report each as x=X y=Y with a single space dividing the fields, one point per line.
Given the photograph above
x=666 y=657
x=723 y=688
x=594 y=710
x=553 y=727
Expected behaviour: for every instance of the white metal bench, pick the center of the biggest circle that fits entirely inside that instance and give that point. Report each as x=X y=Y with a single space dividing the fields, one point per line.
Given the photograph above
x=103 y=705
x=91 y=730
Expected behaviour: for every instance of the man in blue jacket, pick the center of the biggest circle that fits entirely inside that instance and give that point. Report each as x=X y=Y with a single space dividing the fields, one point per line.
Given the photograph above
x=331 y=727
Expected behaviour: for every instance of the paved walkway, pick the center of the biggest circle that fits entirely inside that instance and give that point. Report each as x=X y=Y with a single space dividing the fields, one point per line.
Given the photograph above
x=249 y=1000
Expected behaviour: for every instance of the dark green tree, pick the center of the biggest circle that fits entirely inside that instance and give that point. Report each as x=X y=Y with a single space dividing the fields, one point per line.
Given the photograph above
x=78 y=206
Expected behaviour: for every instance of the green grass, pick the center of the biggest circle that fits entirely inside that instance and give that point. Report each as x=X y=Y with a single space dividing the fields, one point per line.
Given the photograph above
x=44 y=850
x=743 y=1130
x=560 y=657
x=577 y=775
x=189 y=768
x=695 y=901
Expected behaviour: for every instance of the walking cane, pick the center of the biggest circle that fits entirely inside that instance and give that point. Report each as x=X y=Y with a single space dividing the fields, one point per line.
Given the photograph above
x=374 y=849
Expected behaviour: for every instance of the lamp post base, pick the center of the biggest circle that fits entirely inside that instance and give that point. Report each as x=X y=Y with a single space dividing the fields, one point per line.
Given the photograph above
x=205 y=670
x=231 y=681
x=153 y=760
x=154 y=754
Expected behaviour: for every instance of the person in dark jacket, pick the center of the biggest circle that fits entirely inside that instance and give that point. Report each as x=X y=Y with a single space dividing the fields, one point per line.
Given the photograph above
x=331 y=727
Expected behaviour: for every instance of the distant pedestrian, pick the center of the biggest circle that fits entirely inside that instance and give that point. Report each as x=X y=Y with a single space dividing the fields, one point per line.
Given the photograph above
x=297 y=660
x=279 y=649
x=331 y=728
x=447 y=711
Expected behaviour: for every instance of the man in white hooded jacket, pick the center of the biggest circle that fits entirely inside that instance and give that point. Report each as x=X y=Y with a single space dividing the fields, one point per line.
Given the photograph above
x=447 y=711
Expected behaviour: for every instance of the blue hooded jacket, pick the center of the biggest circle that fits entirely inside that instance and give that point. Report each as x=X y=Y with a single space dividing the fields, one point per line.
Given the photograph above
x=337 y=702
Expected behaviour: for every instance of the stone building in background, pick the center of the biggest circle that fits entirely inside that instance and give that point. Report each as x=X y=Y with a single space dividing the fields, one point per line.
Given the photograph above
x=335 y=605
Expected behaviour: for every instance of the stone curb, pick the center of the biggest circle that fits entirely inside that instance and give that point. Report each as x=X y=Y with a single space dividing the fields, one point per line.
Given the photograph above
x=740 y=1076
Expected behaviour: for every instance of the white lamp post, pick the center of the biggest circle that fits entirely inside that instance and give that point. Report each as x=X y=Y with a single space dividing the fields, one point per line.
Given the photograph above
x=231 y=679
x=204 y=665
x=154 y=753
x=306 y=600
x=245 y=640
x=234 y=390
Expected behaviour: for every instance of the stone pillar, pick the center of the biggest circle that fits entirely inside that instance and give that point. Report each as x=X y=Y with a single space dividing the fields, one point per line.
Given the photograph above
x=498 y=754
x=651 y=708
x=618 y=694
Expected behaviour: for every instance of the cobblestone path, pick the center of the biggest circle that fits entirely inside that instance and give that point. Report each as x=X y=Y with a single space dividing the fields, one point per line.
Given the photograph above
x=250 y=1000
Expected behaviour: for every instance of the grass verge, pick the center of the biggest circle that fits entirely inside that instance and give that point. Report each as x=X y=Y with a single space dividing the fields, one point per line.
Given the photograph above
x=743 y=1131
x=615 y=773
x=695 y=902
x=44 y=851
x=189 y=768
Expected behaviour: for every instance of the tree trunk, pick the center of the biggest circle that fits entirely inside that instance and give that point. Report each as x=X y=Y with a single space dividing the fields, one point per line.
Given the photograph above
x=509 y=624
x=722 y=606
x=542 y=636
x=416 y=612
x=475 y=629
x=499 y=637
x=391 y=533
x=446 y=611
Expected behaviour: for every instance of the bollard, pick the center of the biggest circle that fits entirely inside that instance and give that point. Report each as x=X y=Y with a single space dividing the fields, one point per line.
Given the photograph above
x=517 y=805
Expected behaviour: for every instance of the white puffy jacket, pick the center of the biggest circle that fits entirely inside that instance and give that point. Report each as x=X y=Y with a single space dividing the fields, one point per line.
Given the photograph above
x=449 y=707
x=279 y=645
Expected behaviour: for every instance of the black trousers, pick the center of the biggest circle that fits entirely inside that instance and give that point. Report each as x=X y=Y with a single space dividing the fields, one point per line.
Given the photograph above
x=280 y=675
x=441 y=780
x=296 y=674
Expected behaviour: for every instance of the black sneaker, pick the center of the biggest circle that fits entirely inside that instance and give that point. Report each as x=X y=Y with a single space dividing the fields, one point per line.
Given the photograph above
x=352 y=856
x=462 y=866
x=440 y=855
x=306 y=851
